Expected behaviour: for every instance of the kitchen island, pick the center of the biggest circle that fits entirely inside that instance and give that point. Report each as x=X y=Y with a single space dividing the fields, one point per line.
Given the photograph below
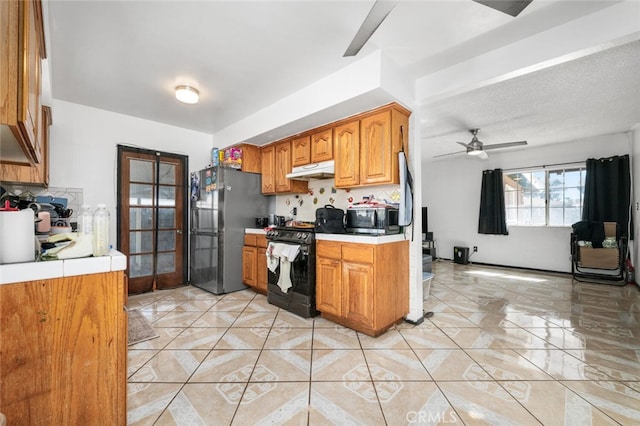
x=63 y=344
x=362 y=281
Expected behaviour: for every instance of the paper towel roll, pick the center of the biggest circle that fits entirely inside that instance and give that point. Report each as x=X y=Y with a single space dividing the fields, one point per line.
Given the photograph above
x=17 y=236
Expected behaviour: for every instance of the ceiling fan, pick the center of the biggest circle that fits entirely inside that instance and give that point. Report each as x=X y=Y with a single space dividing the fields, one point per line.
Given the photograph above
x=476 y=148
x=382 y=8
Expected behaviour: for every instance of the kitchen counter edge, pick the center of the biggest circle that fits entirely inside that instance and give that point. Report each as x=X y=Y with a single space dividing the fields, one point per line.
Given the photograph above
x=363 y=239
x=345 y=238
x=255 y=231
x=32 y=271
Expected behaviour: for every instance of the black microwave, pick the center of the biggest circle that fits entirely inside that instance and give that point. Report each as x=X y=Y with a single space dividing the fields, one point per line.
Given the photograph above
x=373 y=220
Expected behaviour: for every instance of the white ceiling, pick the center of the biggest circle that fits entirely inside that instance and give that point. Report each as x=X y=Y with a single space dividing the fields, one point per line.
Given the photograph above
x=127 y=57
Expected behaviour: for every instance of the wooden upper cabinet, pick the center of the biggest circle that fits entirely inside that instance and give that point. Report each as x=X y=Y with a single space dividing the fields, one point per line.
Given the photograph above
x=283 y=168
x=322 y=146
x=276 y=164
x=347 y=144
x=364 y=147
x=301 y=151
x=251 y=159
x=26 y=173
x=375 y=149
x=21 y=54
x=268 y=158
x=382 y=136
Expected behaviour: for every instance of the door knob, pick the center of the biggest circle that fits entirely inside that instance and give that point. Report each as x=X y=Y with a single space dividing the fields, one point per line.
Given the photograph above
x=179 y=231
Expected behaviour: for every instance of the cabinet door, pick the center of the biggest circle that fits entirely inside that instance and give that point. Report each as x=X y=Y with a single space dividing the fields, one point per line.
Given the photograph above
x=322 y=146
x=251 y=159
x=328 y=286
x=27 y=325
x=249 y=265
x=268 y=157
x=375 y=149
x=61 y=337
x=21 y=52
x=30 y=74
x=357 y=280
x=301 y=148
x=283 y=166
x=347 y=155
x=262 y=272
x=89 y=331
x=27 y=173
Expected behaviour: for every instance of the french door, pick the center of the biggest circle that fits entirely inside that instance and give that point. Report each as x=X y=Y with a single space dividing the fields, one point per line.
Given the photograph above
x=151 y=218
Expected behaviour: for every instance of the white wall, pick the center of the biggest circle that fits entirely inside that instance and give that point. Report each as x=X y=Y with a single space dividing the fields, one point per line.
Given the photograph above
x=84 y=149
x=451 y=191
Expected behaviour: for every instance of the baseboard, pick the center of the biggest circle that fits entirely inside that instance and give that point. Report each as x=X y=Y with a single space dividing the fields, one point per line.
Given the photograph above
x=495 y=265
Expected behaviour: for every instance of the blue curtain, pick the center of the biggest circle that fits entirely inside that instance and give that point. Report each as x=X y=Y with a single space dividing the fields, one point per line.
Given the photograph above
x=493 y=218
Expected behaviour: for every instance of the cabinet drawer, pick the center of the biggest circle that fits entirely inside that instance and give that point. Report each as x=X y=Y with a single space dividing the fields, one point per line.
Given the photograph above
x=328 y=249
x=357 y=253
x=250 y=239
x=261 y=241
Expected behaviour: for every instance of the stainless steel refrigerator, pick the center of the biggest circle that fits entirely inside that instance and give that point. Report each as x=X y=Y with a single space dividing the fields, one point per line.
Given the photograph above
x=224 y=202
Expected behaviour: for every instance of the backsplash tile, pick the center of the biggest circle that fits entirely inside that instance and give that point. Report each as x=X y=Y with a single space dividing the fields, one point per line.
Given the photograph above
x=323 y=191
x=74 y=196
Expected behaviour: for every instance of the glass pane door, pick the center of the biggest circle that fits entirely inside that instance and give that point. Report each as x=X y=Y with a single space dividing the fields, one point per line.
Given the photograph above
x=151 y=217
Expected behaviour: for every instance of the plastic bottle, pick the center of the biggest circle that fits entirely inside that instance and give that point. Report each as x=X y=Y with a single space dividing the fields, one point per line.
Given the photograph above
x=101 y=231
x=85 y=220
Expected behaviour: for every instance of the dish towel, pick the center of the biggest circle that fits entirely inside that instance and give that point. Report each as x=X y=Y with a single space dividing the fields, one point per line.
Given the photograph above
x=272 y=260
x=283 y=255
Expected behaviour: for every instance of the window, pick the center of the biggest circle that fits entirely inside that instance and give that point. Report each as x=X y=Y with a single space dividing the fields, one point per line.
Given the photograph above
x=539 y=197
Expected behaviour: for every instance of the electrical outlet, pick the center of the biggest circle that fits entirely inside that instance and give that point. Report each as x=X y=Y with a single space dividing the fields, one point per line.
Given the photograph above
x=475 y=249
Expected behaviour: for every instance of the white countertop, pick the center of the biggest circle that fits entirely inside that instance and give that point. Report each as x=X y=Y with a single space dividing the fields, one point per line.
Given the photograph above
x=260 y=231
x=30 y=271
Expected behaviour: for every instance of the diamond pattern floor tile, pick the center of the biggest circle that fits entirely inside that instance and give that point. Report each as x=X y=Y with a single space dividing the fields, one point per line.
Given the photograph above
x=504 y=346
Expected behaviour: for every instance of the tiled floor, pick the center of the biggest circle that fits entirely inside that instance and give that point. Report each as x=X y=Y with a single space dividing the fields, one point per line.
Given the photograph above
x=504 y=346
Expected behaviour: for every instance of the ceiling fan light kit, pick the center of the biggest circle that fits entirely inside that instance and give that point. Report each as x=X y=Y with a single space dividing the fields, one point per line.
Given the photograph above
x=187 y=94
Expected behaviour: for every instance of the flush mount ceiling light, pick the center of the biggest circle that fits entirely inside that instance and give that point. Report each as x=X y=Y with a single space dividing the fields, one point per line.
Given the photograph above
x=187 y=94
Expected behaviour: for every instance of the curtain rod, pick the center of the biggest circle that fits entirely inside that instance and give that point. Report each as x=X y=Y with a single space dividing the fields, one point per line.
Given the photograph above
x=547 y=165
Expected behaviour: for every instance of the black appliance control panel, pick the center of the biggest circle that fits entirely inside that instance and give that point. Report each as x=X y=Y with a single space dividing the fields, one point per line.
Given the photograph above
x=291 y=235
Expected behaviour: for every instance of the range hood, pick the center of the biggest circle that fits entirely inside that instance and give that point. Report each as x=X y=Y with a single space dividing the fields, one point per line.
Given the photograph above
x=322 y=170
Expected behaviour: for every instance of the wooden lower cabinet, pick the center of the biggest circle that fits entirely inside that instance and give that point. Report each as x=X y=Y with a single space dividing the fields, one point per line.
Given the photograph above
x=63 y=351
x=328 y=284
x=249 y=265
x=254 y=262
x=363 y=286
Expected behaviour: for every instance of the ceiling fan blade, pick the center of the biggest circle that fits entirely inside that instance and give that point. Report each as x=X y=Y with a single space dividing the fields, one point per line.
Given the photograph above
x=464 y=144
x=448 y=154
x=377 y=14
x=510 y=7
x=504 y=145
